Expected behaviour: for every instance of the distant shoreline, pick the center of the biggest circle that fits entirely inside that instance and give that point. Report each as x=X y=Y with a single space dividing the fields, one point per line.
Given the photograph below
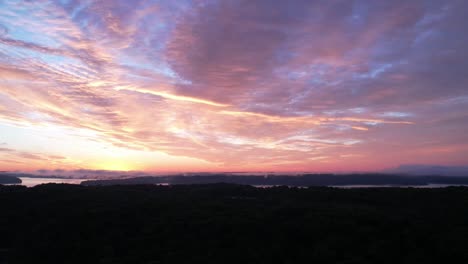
x=305 y=180
x=298 y=181
x=7 y=179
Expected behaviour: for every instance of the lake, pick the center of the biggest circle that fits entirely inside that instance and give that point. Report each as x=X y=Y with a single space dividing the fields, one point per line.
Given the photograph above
x=31 y=182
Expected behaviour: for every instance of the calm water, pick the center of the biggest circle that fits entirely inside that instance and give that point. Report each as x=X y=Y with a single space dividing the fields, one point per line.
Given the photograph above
x=30 y=182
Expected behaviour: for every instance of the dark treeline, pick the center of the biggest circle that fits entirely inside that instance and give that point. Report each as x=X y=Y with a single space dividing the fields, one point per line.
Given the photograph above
x=302 y=180
x=226 y=223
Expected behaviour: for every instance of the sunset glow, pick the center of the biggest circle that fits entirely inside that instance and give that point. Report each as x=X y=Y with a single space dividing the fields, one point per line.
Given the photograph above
x=180 y=86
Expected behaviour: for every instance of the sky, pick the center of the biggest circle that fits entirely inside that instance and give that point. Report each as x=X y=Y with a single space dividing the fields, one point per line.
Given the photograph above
x=161 y=86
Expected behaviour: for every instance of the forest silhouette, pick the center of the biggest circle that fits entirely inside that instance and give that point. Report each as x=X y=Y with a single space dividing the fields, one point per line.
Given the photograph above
x=229 y=223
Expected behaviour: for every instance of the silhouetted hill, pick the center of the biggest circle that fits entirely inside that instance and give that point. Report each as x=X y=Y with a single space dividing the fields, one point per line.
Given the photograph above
x=302 y=180
x=226 y=223
x=8 y=179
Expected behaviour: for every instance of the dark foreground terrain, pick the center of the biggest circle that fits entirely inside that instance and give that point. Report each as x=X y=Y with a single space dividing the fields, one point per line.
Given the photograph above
x=224 y=223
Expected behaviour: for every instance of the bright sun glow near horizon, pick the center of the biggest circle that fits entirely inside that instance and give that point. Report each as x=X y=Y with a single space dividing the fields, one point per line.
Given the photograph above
x=216 y=86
